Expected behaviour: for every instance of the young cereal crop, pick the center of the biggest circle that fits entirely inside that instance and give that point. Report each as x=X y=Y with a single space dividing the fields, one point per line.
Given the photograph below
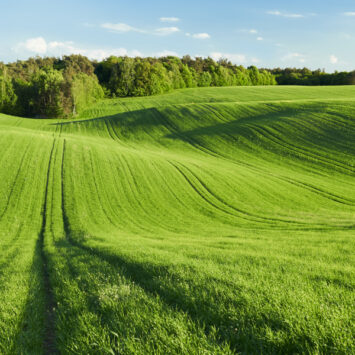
x=205 y=221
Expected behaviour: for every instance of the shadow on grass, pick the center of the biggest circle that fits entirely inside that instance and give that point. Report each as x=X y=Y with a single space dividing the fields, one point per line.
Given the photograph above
x=246 y=336
x=30 y=336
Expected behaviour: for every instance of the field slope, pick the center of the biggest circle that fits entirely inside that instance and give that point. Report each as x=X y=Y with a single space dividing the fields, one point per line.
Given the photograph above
x=206 y=221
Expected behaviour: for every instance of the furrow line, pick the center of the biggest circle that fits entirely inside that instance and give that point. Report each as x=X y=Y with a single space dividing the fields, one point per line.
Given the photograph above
x=256 y=217
x=188 y=180
x=49 y=343
x=15 y=180
x=98 y=191
x=299 y=151
x=147 y=212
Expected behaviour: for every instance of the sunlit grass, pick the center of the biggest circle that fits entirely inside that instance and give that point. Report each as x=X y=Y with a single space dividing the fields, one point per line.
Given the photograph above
x=208 y=221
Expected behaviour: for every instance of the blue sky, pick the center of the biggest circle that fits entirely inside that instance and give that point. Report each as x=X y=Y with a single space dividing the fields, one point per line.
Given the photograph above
x=275 y=33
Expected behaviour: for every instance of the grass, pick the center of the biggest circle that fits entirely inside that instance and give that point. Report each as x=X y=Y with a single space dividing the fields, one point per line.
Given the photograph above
x=206 y=221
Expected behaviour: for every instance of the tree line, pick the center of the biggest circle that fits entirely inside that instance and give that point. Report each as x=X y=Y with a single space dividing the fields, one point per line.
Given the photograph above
x=294 y=76
x=63 y=87
x=48 y=87
x=124 y=76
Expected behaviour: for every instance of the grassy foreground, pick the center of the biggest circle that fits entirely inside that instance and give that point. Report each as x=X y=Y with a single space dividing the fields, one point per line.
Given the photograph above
x=207 y=221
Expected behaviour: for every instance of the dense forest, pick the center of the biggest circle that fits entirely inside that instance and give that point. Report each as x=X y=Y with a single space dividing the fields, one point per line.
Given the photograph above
x=48 y=87
x=294 y=76
x=63 y=87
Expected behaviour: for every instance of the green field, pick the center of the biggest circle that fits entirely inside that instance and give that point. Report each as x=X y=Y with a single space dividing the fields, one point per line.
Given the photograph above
x=205 y=221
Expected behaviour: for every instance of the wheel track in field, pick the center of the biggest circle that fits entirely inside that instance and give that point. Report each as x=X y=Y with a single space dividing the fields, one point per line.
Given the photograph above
x=174 y=130
x=309 y=187
x=109 y=127
x=68 y=232
x=318 y=191
x=66 y=225
x=145 y=209
x=284 y=145
x=268 y=135
x=202 y=149
x=321 y=155
x=12 y=252
x=7 y=151
x=228 y=209
x=116 y=183
x=172 y=191
x=99 y=195
x=49 y=342
x=259 y=170
x=136 y=221
x=326 y=194
x=9 y=243
x=317 y=122
x=15 y=180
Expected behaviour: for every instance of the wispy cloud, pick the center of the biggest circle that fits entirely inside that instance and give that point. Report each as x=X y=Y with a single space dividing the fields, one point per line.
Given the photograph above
x=333 y=59
x=259 y=38
x=165 y=31
x=124 y=28
x=350 y=13
x=284 y=14
x=169 y=19
x=198 y=35
x=121 y=28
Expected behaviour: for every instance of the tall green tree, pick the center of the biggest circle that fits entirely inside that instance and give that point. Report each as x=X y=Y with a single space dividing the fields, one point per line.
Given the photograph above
x=86 y=90
x=8 y=98
x=47 y=94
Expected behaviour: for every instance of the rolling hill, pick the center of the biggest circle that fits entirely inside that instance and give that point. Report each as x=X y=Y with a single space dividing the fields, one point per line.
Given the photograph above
x=205 y=221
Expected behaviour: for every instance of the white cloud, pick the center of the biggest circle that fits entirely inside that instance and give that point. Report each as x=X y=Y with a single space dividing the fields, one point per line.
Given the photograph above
x=234 y=58
x=294 y=56
x=36 y=45
x=284 y=14
x=199 y=35
x=121 y=27
x=253 y=32
x=255 y=60
x=66 y=46
x=56 y=48
x=350 y=13
x=169 y=19
x=165 y=31
x=124 y=28
x=333 y=59
x=259 y=38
